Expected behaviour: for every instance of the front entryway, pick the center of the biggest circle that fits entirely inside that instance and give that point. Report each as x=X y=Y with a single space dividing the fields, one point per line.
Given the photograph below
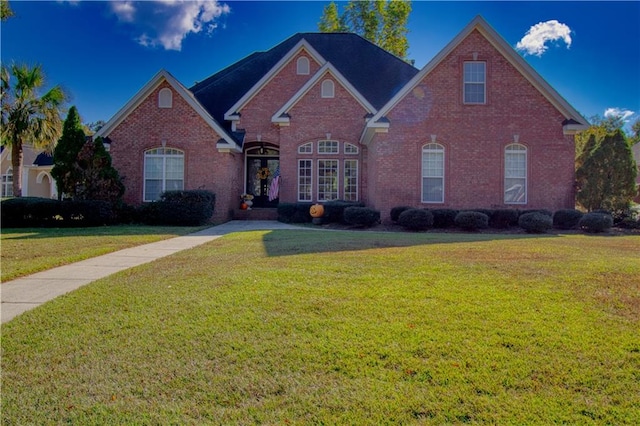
x=262 y=166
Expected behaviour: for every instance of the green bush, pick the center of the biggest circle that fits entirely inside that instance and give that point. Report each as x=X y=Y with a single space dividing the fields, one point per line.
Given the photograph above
x=24 y=212
x=444 y=218
x=180 y=208
x=361 y=216
x=595 y=222
x=396 y=211
x=567 y=218
x=543 y=211
x=472 y=220
x=535 y=223
x=504 y=218
x=487 y=212
x=294 y=212
x=416 y=219
x=334 y=210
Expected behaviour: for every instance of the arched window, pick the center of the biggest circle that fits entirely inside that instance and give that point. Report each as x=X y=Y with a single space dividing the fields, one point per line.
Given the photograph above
x=328 y=89
x=302 y=66
x=165 y=98
x=7 y=183
x=163 y=171
x=433 y=173
x=515 y=174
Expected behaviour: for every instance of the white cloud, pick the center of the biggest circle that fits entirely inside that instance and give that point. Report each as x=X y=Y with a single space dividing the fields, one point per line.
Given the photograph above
x=535 y=40
x=624 y=114
x=166 y=23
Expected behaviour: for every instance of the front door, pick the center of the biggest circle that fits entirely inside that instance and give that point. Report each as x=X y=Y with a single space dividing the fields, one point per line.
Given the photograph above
x=260 y=173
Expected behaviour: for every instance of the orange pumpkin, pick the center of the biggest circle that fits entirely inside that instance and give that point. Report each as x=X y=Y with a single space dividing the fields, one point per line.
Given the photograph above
x=243 y=206
x=317 y=210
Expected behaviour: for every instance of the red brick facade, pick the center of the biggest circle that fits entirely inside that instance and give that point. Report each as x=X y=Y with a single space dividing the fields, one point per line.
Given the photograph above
x=474 y=137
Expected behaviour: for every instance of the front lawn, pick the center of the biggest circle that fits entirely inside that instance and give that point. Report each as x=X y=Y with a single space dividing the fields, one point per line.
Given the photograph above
x=29 y=250
x=303 y=327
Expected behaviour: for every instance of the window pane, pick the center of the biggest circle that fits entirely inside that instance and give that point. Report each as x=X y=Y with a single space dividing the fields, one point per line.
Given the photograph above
x=515 y=174
x=351 y=180
x=153 y=168
x=327 y=180
x=304 y=180
x=152 y=190
x=432 y=190
x=474 y=82
x=433 y=173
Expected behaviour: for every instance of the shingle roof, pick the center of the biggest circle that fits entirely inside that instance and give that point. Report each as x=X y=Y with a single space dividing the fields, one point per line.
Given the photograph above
x=43 y=159
x=374 y=72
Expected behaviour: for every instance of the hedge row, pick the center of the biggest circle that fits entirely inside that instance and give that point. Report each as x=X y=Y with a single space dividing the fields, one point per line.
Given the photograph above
x=299 y=212
x=533 y=221
x=181 y=208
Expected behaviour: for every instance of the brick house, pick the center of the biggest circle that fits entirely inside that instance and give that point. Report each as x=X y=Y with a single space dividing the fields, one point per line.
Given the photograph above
x=340 y=118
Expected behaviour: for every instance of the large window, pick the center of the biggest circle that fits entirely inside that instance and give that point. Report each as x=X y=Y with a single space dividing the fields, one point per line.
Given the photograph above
x=327 y=180
x=163 y=171
x=350 y=180
x=305 y=180
x=475 y=78
x=7 y=184
x=515 y=174
x=433 y=173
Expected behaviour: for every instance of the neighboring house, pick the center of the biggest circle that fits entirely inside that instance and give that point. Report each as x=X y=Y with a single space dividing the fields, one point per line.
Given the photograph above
x=36 y=173
x=339 y=118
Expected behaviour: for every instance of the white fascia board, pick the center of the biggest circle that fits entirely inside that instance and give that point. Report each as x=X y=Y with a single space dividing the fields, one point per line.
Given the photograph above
x=232 y=113
x=327 y=68
x=506 y=50
x=572 y=129
x=143 y=93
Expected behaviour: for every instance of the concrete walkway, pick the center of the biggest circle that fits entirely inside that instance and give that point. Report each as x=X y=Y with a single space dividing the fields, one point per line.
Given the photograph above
x=26 y=293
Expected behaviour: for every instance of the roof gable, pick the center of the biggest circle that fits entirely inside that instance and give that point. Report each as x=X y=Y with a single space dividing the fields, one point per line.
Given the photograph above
x=573 y=119
x=281 y=115
x=227 y=142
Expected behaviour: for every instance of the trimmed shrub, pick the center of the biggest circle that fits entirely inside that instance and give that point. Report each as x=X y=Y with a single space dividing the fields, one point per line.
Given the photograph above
x=595 y=222
x=504 y=218
x=488 y=212
x=294 y=212
x=361 y=216
x=567 y=218
x=416 y=219
x=23 y=212
x=444 y=218
x=543 y=211
x=334 y=210
x=180 y=208
x=535 y=223
x=472 y=220
x=396 y=211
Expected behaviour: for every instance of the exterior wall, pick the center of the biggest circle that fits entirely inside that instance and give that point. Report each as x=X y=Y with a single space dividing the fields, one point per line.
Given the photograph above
x=256 y=114
x=180 y=127
x=474 y=137
x=312 y=119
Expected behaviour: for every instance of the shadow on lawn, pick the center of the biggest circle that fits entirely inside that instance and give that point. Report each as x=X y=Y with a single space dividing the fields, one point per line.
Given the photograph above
x=288 y=242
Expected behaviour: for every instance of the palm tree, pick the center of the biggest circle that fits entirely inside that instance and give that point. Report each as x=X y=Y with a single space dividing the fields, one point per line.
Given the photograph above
x=27 y=118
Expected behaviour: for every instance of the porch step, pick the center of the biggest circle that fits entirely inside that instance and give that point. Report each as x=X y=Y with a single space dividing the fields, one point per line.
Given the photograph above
x=255 y=214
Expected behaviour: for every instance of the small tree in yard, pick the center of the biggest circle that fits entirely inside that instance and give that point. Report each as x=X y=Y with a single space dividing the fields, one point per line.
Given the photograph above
x=606 y=173
x=97 y=179
x=66 y=153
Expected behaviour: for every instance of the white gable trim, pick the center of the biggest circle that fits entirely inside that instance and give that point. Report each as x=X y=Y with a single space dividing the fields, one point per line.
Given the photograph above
x=148 y=88
x=232 y=113
x=281 y=116
x=509 y=53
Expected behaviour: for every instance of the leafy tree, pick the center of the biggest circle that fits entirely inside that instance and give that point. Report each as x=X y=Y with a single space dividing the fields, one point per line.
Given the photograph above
x=27 y=117
x=97 y=178
x=606 y=173
x=635 y=128
x=5 y=10
x=383 y=22
x=66 y=153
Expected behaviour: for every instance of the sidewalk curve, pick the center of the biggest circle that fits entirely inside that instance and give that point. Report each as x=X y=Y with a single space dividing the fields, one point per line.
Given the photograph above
x=23 y=294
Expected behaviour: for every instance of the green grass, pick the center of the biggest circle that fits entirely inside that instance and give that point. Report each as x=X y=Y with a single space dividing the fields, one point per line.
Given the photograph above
x=303 y=327
x=29 y=250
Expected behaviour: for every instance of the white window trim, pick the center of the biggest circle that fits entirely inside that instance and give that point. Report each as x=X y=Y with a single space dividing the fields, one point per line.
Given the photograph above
x=164 y=170
x=349 y=146
x=165 y=98
x=337 y=168
x=303 y=66
x=328 y=89
x=522 y=150
x=6 y=183
x=344 y=179
x=464 y=84
x=310 y=183
x=303 y=146
x=432 y=147
x=323 y=142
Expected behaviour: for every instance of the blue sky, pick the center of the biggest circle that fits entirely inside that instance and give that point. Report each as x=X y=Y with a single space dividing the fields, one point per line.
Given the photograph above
x=104 y=52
